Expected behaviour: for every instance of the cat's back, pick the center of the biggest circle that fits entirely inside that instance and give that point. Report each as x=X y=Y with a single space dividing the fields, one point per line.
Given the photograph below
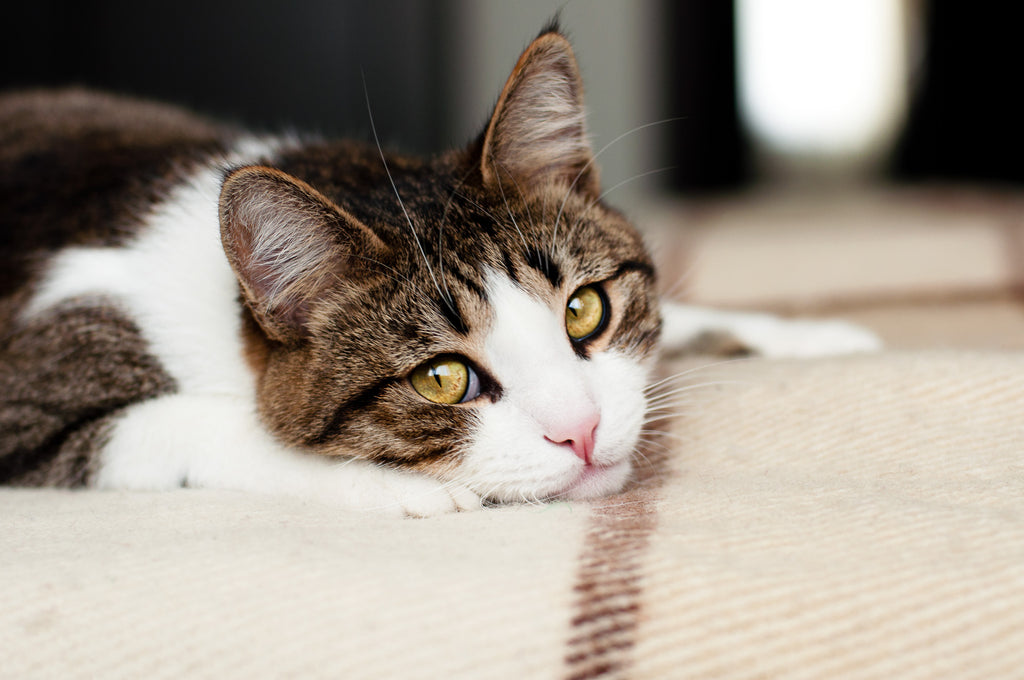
x=34 y=121
x=79 y=168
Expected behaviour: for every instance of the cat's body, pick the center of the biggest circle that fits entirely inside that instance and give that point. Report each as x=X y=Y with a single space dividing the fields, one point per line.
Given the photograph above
x=182 y=304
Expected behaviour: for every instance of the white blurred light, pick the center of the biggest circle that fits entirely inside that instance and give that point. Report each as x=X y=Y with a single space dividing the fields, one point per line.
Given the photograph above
x=822 y=78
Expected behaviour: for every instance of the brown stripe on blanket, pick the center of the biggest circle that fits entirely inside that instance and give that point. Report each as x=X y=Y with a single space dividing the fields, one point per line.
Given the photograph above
x=609 y=583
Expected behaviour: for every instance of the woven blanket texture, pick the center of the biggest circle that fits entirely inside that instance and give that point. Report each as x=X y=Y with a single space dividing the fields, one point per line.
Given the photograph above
x=851 y=518
x=846 y=518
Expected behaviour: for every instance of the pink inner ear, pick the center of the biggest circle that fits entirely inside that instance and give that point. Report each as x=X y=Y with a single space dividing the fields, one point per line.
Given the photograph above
x=286 y=242
x=289 y=309
x=260 y=277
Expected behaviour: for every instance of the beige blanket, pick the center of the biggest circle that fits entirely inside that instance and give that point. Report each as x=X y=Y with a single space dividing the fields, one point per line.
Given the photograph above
x=859 y=517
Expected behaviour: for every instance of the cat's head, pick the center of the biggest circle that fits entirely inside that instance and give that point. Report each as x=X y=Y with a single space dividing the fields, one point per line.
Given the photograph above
x=482 y=317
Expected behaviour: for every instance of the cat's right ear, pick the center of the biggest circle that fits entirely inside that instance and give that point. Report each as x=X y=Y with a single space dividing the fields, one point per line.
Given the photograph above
x=287 y=244
x=537 y=134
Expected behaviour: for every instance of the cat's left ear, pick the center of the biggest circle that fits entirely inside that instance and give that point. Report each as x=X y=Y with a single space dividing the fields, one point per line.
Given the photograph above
x=288 y=244
x=537 y=134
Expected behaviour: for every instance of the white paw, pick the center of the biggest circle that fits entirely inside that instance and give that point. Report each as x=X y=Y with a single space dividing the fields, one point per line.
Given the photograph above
x=410 y=494
x=764 y=334
x=802 y=338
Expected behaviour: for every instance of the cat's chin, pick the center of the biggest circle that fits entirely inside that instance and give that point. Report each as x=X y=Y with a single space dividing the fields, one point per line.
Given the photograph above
x=597 y=481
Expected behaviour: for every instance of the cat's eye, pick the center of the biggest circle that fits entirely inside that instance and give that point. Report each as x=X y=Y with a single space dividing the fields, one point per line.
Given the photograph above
x=585 y=313
x=446 y=380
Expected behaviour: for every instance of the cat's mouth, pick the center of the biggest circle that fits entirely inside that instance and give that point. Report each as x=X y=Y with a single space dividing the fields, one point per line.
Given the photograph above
x=595 y=481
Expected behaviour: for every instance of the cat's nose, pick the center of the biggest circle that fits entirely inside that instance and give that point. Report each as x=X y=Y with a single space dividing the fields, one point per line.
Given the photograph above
x=578 y=434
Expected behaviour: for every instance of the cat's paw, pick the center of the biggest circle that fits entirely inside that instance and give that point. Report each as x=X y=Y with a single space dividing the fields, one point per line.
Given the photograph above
x=802 y=339
x=410 y=494
x=710 y=331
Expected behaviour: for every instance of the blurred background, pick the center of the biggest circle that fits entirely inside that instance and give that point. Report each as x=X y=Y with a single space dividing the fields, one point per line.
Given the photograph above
x=693 y=96
x=854 y=158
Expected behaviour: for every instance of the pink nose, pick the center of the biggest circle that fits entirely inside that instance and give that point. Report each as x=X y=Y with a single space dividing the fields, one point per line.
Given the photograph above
x=578 y=435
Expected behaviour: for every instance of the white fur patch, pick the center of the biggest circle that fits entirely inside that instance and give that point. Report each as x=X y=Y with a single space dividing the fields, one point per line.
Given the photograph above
x=175 y=282
x=218 y=442
x=544 y=384
x=766 y=335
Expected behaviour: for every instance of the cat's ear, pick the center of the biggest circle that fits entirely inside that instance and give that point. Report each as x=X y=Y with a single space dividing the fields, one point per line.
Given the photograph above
x=537 y=134
x=287 y=244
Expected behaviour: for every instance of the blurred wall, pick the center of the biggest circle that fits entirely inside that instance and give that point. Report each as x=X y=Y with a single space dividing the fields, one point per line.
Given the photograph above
x=432 y=69
x=265 y=63
x=663 y=69
x=619 y=50
x=659 y=78
x=966 y=119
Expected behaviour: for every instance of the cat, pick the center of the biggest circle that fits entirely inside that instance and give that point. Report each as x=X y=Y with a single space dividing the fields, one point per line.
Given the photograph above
x=186 y=304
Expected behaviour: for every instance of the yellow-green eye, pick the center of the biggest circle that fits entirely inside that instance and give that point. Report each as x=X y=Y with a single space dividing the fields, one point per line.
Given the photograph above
x=446 y=380
x=585 y=313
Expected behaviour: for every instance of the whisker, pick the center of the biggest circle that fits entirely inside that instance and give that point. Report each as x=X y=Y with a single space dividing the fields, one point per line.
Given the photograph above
x=440 y=230
x=661 y=433
x=610 y=190
x=489 y=495
x=529 y=215
x=629 y=180
x=522 y=199
x=475 y=204
x=660 y=420
x=681 y=374
x=394 y=187
x=697 y=386
x=684 y=277
x=594 y=158
x=508 y=208
x=671 y=393
x=638 y=453
x=666 y=411
x=395 y=275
